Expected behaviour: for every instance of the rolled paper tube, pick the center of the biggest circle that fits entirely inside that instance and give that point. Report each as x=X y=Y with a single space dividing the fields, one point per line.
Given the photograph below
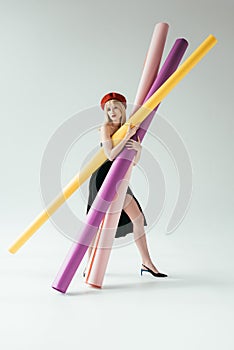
x=170 y=65
x=100 y=157
x=105 y=237
x=98 y=261
x=152 y=63
x=94 y=217
x=77 y=251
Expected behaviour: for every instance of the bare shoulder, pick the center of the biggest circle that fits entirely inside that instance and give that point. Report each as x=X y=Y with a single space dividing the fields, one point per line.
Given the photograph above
x=106 y=125
x=106 y=128
x=105 y=132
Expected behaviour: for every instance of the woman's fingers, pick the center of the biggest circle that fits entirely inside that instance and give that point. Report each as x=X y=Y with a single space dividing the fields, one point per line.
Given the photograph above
x=129 y=127
x=129 y=144
x=132 y=129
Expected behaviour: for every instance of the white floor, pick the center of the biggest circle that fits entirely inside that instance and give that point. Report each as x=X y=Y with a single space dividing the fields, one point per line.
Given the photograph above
x=191 y=309
x=49 y=55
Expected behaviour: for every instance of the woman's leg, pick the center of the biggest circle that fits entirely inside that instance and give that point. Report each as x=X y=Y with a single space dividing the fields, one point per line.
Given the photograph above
x=132 y=210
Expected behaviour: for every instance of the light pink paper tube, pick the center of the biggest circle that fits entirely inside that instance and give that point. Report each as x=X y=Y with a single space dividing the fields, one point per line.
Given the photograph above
x=99 y=258
x=105 y=237
x=152 y=63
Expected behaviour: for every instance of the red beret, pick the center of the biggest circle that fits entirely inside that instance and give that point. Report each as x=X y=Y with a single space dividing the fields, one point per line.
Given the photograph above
x=113 y=96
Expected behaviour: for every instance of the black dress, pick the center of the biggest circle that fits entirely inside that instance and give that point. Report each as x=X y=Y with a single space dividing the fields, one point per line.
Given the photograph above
x=125 y=225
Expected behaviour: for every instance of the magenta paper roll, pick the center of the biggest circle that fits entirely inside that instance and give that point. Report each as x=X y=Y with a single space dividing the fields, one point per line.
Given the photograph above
x=108 y=189
x=98 y=261
x=99 y=258
x=170 y=65
x=152 y=63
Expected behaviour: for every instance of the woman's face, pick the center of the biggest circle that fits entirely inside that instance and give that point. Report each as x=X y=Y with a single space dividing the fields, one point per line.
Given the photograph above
x=114 y=113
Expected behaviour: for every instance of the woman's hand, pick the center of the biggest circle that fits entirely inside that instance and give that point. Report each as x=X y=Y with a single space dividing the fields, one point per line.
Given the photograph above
x=132 y=144
x=131 y=131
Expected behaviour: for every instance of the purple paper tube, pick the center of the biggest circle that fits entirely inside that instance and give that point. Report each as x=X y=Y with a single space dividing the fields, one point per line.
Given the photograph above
x=116 y=173
x=171 y=63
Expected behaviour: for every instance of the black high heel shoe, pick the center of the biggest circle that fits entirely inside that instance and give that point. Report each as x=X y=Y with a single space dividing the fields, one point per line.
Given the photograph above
x=158 y=274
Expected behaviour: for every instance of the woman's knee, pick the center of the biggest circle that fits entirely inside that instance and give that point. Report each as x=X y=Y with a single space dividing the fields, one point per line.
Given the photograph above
x=138 y=220
x=132 y=210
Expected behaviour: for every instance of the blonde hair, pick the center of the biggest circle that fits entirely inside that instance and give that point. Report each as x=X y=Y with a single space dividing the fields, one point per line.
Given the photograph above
x=120 y=106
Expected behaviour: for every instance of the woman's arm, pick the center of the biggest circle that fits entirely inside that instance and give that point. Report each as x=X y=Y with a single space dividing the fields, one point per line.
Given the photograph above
x=110 y=151
x=131 y=144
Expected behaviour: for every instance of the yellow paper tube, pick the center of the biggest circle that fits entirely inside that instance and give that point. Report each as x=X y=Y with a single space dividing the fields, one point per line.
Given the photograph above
x=100 y=157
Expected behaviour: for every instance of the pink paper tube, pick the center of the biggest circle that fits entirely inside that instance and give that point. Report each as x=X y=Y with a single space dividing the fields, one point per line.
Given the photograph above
x=152 y=63
x=99 y=258
x=170 y=65
x=98 y=261
x=107 y=191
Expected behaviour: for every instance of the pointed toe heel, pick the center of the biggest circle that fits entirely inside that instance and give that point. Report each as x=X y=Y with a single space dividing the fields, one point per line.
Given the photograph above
x=155 y=274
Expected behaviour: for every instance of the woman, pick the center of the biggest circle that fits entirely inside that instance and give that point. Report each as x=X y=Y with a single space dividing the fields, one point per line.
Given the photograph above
x=132 y=218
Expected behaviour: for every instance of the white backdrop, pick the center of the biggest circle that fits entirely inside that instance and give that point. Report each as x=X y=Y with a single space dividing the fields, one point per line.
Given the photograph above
x=59 y=58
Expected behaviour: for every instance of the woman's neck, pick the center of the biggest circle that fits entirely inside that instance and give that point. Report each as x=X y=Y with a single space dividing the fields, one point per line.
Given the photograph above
x=115 y=125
